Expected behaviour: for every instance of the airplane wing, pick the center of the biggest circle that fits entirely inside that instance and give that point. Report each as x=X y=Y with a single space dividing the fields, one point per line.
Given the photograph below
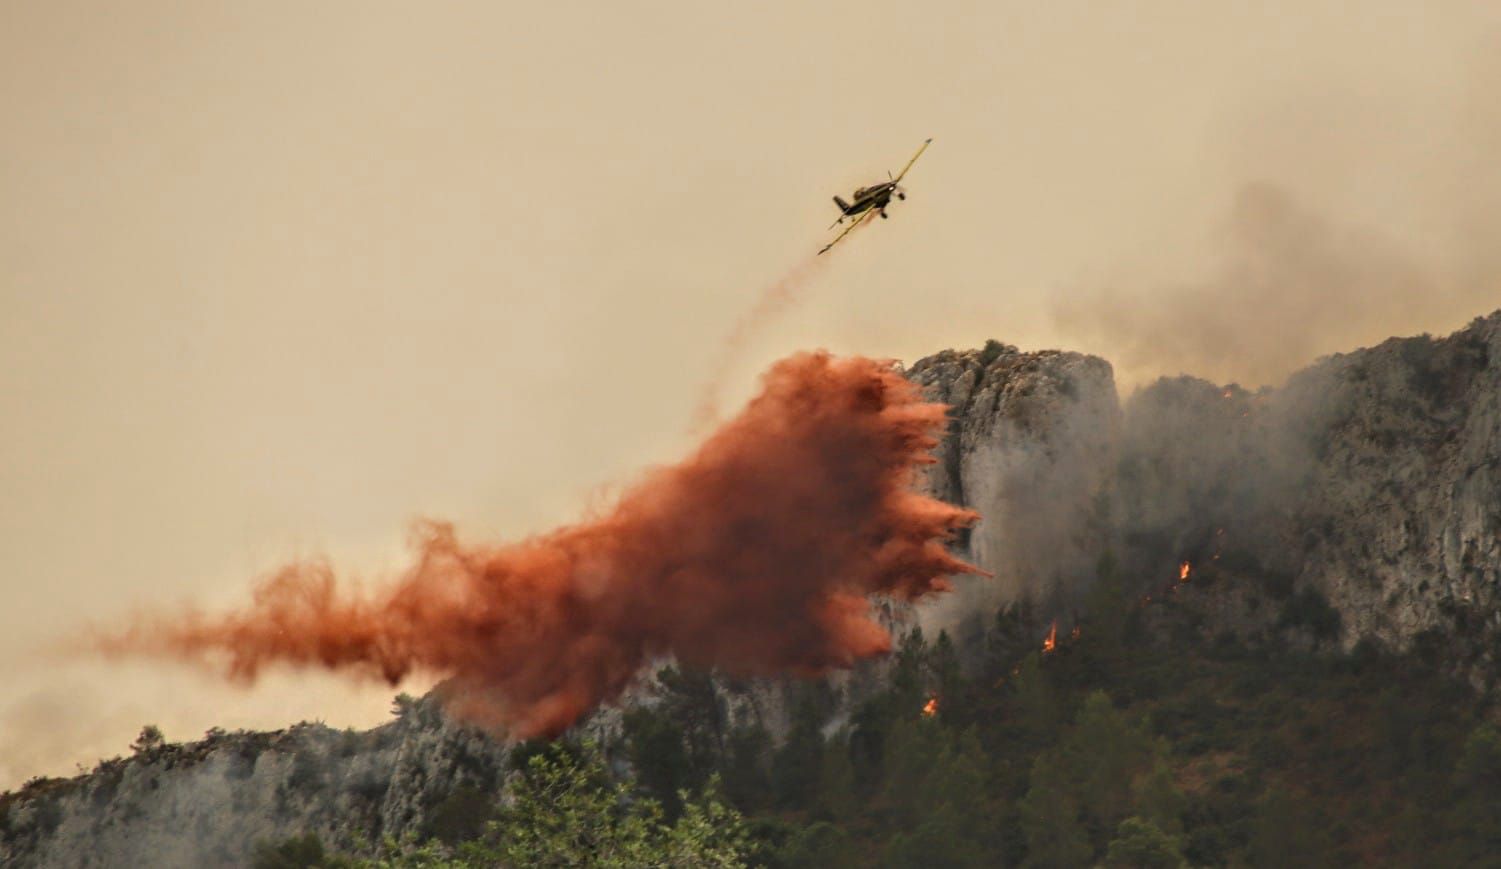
x=849 y=229
x=924 y=147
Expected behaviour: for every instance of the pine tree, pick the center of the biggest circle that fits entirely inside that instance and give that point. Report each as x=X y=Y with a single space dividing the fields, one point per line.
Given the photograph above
x=1050 y=819
x=1287 y=832
x=1013 y=635
x=1036 y=700
x=836 y=780
x=1475 y=819
x=655 y=746
x=795 y=766
x=1107 y=609
x=948 y=682
x=1156 y=797
x=1139 y=844
x=1104 y=753
x=912 y=749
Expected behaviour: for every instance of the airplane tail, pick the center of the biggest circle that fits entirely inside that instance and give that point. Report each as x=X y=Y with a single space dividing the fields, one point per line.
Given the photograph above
x=843 y=206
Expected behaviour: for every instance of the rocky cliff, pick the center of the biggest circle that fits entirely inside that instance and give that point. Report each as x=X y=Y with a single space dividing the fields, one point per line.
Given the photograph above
x=1399 y=514
x=1031 y=446
x=208 y=803
x=1369 y=480
x=1362 y=500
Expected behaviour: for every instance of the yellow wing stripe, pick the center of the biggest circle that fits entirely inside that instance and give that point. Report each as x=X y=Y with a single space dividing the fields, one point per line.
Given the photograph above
x=848 y=229
x=913 y=160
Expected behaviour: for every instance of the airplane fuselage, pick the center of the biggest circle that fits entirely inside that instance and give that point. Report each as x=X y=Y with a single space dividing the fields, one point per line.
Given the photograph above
x=872 y=197
x=866 y=198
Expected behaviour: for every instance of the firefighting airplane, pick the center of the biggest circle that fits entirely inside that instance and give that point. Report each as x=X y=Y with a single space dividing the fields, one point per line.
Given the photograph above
x=871 y=200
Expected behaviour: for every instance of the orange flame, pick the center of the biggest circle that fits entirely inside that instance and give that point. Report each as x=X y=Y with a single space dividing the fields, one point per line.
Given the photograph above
x=1074 y=634
x=1051 y=642
x=930 y=708
x=1184 y=570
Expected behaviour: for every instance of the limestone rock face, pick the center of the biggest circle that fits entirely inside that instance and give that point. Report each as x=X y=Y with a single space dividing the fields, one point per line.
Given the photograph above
x=1401 y=515
x=209 y=803
x=1031 y=446
x=1372 y=478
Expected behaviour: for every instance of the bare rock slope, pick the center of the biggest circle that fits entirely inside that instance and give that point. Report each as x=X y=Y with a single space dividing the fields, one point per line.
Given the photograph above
x=208 y=803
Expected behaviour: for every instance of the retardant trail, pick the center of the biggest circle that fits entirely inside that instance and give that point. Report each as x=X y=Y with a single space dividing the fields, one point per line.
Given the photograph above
x=755 y=555
x=770 y=302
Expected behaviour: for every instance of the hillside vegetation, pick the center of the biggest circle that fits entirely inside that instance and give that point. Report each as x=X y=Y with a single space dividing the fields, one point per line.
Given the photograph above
x=1134 y=742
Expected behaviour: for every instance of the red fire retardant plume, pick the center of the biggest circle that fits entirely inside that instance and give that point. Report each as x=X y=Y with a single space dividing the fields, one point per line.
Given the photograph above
x=755 y=555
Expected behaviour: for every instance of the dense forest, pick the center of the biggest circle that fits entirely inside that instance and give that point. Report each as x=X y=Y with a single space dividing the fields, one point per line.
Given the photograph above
x=1125 y=738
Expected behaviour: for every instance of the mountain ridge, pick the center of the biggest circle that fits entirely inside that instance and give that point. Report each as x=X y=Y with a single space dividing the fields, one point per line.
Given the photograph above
x=1371 y=480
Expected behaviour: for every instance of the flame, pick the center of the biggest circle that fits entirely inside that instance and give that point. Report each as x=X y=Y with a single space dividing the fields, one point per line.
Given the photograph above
x=1184 y=570
x=1051 y=642
x=1074 y=634
x=1226 y=394
x=930 y=708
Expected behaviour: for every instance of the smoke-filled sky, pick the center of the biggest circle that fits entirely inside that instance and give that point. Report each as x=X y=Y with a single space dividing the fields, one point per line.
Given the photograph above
x=276 y=279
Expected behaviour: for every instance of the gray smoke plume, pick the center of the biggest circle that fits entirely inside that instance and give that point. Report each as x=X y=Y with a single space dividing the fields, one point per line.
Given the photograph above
x=1284 y=284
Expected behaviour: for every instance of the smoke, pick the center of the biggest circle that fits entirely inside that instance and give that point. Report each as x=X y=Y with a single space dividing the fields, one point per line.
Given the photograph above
x=1283 y=285
x=1353 y=214
x=1037 y=489
x=755 y=555
x=1209 y=472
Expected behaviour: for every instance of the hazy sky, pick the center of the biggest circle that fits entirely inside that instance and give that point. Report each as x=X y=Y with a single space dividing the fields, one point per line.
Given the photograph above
x=276 y=278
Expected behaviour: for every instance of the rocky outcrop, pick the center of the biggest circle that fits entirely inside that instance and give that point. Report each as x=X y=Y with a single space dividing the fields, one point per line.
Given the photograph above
x=209 y=803
x=1030 y=446
x=1400 y=517
x=1370 y=480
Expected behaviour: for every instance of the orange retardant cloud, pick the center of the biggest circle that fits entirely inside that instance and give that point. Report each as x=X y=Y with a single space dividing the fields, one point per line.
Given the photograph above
x=755 y=556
